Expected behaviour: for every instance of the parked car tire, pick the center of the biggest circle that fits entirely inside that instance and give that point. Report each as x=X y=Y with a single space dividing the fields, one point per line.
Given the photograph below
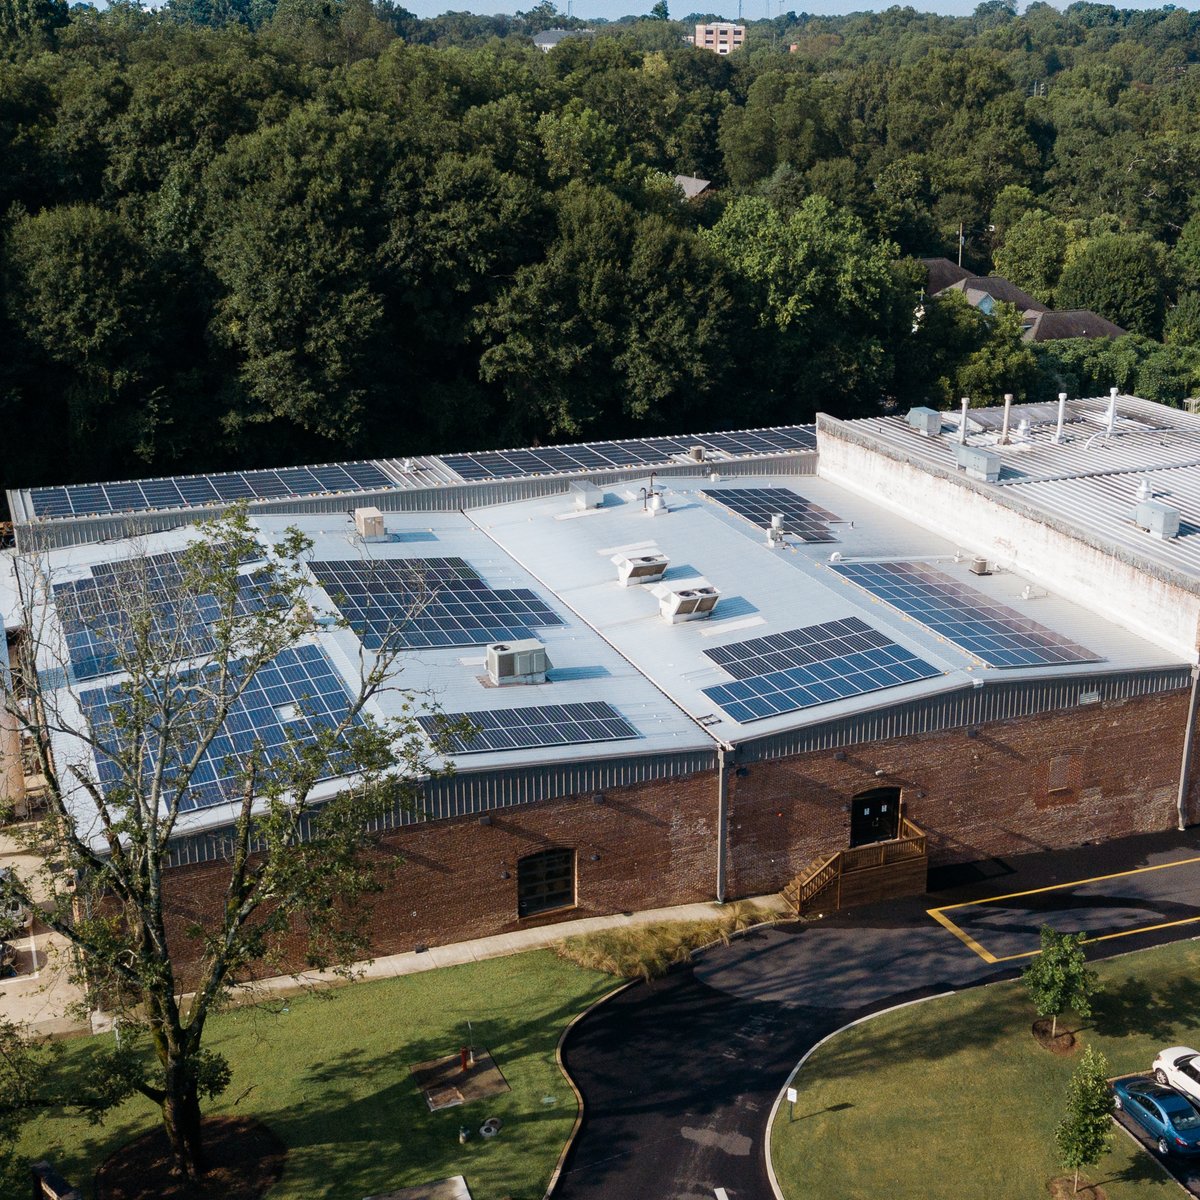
x=1161 y=1076
x=1163 y=1148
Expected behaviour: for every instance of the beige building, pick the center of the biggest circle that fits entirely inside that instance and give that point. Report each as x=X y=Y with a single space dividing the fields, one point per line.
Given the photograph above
x=720 y=37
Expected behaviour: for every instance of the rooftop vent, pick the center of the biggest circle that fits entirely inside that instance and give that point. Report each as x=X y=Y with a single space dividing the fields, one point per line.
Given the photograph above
x=696 y=453
x=979 y=566
x=585 y=495
x=517 y=662
x=926 y=421
x=978 y=463
x=694 y=603
x=368 y=522
x=642 y=568
x=1157 y=519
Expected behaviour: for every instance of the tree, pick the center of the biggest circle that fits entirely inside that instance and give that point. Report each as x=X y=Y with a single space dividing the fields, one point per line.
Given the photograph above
x=1122 y=276
x=128 y=767
x=1059 y=978
x=1085 y=1132
x=660 y=12
x=1032 y=253
x=1182 y=326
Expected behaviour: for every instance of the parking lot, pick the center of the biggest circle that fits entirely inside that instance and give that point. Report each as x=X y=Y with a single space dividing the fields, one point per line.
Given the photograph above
x=1146 y=900
x=1185 y=1171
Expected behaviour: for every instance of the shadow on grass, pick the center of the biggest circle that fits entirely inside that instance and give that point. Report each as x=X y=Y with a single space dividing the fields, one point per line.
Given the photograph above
x=1134 y=1006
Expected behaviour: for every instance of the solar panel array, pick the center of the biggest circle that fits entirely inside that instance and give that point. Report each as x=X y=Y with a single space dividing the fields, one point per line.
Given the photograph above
x=800 y=668
x=523 y=728
x=998 y=635
x=801 y=517
x=285 y=704
x=424 y=602
x=601 y=456
x=98 y=614
x=186 y=491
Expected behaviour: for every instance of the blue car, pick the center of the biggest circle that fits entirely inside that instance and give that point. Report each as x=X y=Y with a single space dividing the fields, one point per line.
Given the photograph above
x=1166 y=1115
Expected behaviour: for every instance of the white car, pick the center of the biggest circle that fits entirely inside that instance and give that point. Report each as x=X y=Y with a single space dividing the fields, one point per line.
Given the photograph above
x=1179 y=1067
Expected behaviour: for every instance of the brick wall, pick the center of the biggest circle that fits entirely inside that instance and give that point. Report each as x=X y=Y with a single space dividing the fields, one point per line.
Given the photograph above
x=655 y=845
x=1095 y=772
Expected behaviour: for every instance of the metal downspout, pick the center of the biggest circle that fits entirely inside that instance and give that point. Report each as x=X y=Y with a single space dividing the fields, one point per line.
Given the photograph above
x=722 y=819
x=1189 y=736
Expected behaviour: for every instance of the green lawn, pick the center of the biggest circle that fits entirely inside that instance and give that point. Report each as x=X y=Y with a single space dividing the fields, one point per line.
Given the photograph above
x=952 y=1098
x=330 y=1075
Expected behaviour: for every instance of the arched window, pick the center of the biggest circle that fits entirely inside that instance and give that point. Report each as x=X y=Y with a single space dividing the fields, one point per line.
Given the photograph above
x=545 y=880
x=875 y=816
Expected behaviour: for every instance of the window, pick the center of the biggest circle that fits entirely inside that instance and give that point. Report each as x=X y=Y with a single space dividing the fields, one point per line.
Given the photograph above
x=544 y=881
x=1062 y=774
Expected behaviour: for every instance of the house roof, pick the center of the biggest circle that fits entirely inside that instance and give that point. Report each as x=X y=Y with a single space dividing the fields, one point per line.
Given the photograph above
x=691 y=186
x=942 y=273
x=1073 y=323
x=977 y=286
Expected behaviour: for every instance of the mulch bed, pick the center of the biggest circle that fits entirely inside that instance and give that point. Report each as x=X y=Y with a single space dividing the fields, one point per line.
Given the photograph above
x=246 y=1160
x=1062 y=1044
x=1060 y=1189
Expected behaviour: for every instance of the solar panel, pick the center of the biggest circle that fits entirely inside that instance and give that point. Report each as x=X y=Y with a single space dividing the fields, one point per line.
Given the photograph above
x=522 y=728
x=98 y=615
x=285 y=704
x=994 y=633
x=801 y=518
x=426 y=602
x=594 y=456
x=184 y=491
x=800 y=668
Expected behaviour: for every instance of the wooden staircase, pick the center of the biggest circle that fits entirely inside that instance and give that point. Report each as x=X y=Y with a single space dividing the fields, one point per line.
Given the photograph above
x=862 y=875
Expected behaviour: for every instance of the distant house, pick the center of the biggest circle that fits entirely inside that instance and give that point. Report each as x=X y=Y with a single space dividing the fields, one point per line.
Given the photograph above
x=984 y=292
x=549 y=38
x=692 y=187
x=1075 y=323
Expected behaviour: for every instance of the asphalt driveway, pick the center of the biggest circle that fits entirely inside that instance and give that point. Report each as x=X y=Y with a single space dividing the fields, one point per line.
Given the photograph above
x=678 y=1077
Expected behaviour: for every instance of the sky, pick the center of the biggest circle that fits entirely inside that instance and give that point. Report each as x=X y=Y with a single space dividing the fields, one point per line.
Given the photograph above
x=751 y=9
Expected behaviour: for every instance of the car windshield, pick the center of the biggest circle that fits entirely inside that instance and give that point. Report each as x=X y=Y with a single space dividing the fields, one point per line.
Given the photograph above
x=1189 y=1119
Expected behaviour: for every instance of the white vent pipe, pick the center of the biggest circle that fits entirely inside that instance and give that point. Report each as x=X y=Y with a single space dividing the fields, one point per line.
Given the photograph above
x=1008 y=399
x=962 y=427
x=1062 y=414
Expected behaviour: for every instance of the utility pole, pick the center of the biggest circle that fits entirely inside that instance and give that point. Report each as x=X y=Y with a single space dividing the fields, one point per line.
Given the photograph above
x=961 y=239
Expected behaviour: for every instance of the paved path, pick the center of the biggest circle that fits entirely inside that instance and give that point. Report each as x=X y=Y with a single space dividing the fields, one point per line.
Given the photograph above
x=678 y=1077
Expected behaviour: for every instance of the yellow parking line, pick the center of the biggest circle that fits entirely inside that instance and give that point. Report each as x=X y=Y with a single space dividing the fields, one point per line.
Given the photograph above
x=939 y=914
x=961 y=934
x=1054 y=887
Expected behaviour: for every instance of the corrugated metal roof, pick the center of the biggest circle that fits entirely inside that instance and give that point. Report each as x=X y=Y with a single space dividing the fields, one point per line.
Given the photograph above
x=1089 y=479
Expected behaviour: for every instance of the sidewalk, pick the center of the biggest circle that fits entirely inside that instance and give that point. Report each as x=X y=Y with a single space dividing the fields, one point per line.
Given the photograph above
x=457 y=953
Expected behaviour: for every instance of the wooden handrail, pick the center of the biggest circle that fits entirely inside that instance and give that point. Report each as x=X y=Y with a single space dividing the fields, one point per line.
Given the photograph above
x=910 y=844
x=820 y=878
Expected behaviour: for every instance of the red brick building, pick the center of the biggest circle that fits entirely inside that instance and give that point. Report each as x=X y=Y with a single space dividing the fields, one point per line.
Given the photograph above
x=707 y=681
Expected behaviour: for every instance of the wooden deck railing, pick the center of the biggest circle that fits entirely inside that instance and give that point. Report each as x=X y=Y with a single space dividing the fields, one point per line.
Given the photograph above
x=909 y=845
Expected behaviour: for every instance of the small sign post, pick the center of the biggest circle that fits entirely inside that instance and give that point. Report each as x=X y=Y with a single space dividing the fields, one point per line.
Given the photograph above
x=791 y=1099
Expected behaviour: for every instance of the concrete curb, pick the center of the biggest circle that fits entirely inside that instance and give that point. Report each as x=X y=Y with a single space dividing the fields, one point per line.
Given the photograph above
x=562 y=1037
x=807 y=1055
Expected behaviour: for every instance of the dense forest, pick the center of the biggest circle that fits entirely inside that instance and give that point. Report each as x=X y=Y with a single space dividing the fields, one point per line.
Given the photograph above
x=249 y=232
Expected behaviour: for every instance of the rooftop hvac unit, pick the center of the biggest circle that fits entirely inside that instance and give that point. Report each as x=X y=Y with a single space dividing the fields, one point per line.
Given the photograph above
x=979 y=566
x=586 y=495
x=978 y=463
x=517 y=662
x=694 y=603
x=926 y=421
x=1157 y=519
x=368 y=522
x=696 y=453
x=642 y=568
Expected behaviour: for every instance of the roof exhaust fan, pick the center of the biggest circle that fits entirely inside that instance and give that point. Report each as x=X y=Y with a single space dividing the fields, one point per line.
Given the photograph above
x=693 y=603
x=633 y=570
